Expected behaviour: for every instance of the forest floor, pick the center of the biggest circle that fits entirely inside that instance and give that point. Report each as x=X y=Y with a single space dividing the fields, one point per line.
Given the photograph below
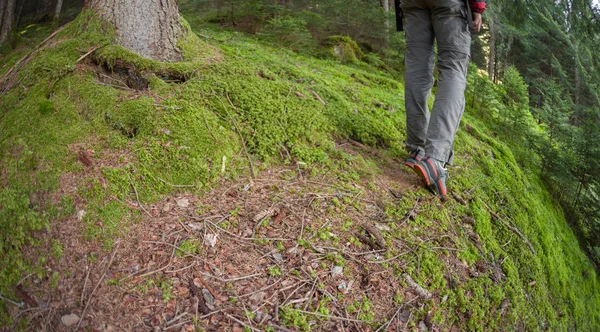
x=291 y=247
x=250 y=187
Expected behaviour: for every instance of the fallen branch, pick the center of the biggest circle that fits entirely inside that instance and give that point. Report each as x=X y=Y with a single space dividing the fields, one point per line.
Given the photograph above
x=24 y=60
x=422 y=292
x=511 y=227
x=112 y=257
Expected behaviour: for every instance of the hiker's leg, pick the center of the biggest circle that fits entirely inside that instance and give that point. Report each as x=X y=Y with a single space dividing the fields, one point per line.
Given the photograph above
x=418 y=76
x=454 y=40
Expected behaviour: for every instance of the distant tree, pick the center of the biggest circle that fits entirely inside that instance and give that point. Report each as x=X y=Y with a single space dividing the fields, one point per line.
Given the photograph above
x=7 y=17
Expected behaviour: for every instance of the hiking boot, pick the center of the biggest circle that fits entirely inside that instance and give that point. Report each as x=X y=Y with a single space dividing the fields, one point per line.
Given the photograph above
x=433 y=174
x=414 y=157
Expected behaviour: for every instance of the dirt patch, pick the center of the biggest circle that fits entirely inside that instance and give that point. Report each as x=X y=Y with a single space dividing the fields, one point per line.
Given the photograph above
x=268 y=252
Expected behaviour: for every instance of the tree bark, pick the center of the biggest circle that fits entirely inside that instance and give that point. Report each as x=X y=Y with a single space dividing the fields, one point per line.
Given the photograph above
x=492 y=49
x=8 y=16
x=150 y=28
x=58 y=9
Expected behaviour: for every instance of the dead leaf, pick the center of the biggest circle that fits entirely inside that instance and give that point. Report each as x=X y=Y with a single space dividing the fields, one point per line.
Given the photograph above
x=210 y=239
x=183 y=202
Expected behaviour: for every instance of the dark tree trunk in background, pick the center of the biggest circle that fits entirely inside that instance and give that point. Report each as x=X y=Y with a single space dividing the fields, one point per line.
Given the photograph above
x=7 y=17
x=150 y=28
x=57 y=9
x=20 y=5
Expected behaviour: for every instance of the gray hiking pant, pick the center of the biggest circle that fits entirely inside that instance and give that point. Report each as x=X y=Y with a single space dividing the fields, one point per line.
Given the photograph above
x=446 y=22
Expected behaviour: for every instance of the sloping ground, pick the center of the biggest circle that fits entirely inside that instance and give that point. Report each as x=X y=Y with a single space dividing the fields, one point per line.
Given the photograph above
x=231 y=190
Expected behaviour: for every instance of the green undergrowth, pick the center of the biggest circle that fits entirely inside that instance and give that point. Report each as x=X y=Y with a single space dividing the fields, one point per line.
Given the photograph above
x=242 y=102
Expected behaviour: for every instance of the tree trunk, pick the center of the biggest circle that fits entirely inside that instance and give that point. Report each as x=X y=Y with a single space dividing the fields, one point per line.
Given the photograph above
x=20 y=5
x=8 y=16
x=150 y=28
x=492 y=49
x=386 y=8
x=58 y=9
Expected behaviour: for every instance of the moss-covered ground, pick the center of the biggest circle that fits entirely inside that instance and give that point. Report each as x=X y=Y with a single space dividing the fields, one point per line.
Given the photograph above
x=240 y=108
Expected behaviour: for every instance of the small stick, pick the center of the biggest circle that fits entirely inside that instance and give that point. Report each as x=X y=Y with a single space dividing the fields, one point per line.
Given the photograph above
x=88 y=53
x=420 y=290
x=318 y=97
x=19 y=305
x=246 y=238
x=87 y=275
x=392 y=258
x=175 y=185
x=385 y=326
x=231 y=279
x=164 y=267
x=458 y=198
x=279 y=328
x=241 y=137
x=300 y=94
x=182 y=269
x=112 y=257
x=240 y=322
x=137 y=197
x=512 y=228
x=332 y=317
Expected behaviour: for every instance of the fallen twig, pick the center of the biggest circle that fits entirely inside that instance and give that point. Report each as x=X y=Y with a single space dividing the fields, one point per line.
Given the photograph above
x=137 y=197
x=332 y=317
x=25 y=59
x=318 y=97
x=87 y=275
x=7 y=300
x=164 y=267
x=375 y=232
x=458 y=198
x=240 y=322
x=412 y=213
x=112 y=257
x=278 y=327
x=422 y=292
x=241 y=137
x=511 y=227
x=385 y=326
x=88 y=53
x=300 y=94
